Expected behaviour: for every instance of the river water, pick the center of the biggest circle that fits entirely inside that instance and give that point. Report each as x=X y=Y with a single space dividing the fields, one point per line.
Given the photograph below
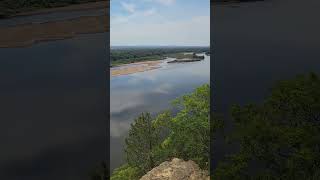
x=52 y=105
x=257 y=44
x=150 y=91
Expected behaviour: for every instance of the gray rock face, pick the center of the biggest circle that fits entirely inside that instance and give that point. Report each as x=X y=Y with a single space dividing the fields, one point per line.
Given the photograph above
x=177 y=169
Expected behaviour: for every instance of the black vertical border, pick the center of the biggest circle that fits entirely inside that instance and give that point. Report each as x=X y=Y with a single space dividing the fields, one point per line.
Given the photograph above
x=212 y=85
x=107 y=91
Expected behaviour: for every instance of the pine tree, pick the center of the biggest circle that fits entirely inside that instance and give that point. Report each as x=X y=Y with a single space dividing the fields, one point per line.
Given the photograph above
x=143 y=137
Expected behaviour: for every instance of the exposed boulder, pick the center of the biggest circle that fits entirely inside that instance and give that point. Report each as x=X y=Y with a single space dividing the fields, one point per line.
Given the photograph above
x=177 y=169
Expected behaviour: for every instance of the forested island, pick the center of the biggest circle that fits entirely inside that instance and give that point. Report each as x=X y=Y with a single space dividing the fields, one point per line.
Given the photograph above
x=186 y=57
x=125 y=55
x=9 y=8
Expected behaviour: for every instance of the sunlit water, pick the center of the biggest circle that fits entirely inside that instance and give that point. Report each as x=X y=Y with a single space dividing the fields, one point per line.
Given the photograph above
x=149 y=91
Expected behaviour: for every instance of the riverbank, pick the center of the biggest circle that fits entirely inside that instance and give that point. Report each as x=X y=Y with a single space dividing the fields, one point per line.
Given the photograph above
x=141 y=66
x=131 y=68
x=28 y=34
x=76 y=7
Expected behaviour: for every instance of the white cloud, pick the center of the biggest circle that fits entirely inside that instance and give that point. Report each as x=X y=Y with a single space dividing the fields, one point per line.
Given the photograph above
x=194 y=31
x=149 y=12
x=136 y=15
x=165 y=2
x=131 y=8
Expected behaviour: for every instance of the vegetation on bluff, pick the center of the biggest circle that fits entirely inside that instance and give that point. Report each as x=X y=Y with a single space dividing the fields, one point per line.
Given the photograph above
x=185 y=135
x=280 y=138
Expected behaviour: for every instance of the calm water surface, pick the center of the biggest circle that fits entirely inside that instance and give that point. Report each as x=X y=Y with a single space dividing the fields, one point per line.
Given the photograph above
x=54 y=16
x=52 y=109
x=257 y=44
x=149 y=91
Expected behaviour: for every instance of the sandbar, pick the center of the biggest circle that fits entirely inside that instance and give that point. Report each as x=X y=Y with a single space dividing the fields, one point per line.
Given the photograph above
x=135 y=67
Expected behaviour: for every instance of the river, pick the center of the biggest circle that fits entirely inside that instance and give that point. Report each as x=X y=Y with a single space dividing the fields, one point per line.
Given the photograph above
x=150 y=91
x=52 y=105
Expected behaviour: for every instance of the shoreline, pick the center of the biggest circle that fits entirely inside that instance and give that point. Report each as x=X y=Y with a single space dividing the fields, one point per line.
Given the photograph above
x=29 y=34
x=142 y=66
x=131 y=68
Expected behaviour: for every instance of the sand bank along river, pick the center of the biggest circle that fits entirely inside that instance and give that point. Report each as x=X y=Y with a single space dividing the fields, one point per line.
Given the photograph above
x=53 y=24
x=136 y=67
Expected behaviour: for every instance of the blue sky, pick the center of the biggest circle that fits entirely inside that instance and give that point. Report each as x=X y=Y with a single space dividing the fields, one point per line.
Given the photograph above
x=160 y=22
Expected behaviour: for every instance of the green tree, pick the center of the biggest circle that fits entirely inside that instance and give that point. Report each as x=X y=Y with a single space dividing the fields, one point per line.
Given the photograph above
x=280 y=138
x=184 y=135
x=143 y=138
x=126 y=172
x=189 y=129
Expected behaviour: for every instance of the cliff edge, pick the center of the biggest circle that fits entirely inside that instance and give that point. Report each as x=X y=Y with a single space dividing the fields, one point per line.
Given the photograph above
x=177 y=169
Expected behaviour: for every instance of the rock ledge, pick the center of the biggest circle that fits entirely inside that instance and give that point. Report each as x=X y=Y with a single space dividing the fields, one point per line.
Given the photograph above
x=177 y=169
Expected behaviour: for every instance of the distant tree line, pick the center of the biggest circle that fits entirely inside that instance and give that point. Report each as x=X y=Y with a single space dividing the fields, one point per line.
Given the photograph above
x=129 y=55
x=11 y=7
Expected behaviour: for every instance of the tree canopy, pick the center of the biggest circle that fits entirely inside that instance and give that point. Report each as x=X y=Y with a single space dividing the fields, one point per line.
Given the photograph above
x=11 y=7
x=142 y=139
x=185 y=135
x=280 y=138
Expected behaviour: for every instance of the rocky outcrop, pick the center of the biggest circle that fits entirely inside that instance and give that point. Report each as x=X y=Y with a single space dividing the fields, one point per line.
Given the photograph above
x=177 y=169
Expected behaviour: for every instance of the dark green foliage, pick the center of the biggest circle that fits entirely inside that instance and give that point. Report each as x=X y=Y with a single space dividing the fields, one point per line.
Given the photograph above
x=185 y=135
x=11 y=7
x=135 y=54
x=126 y=172
x=101 y=172
x=279 y=139
x=189 y=135
x=142 y=139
